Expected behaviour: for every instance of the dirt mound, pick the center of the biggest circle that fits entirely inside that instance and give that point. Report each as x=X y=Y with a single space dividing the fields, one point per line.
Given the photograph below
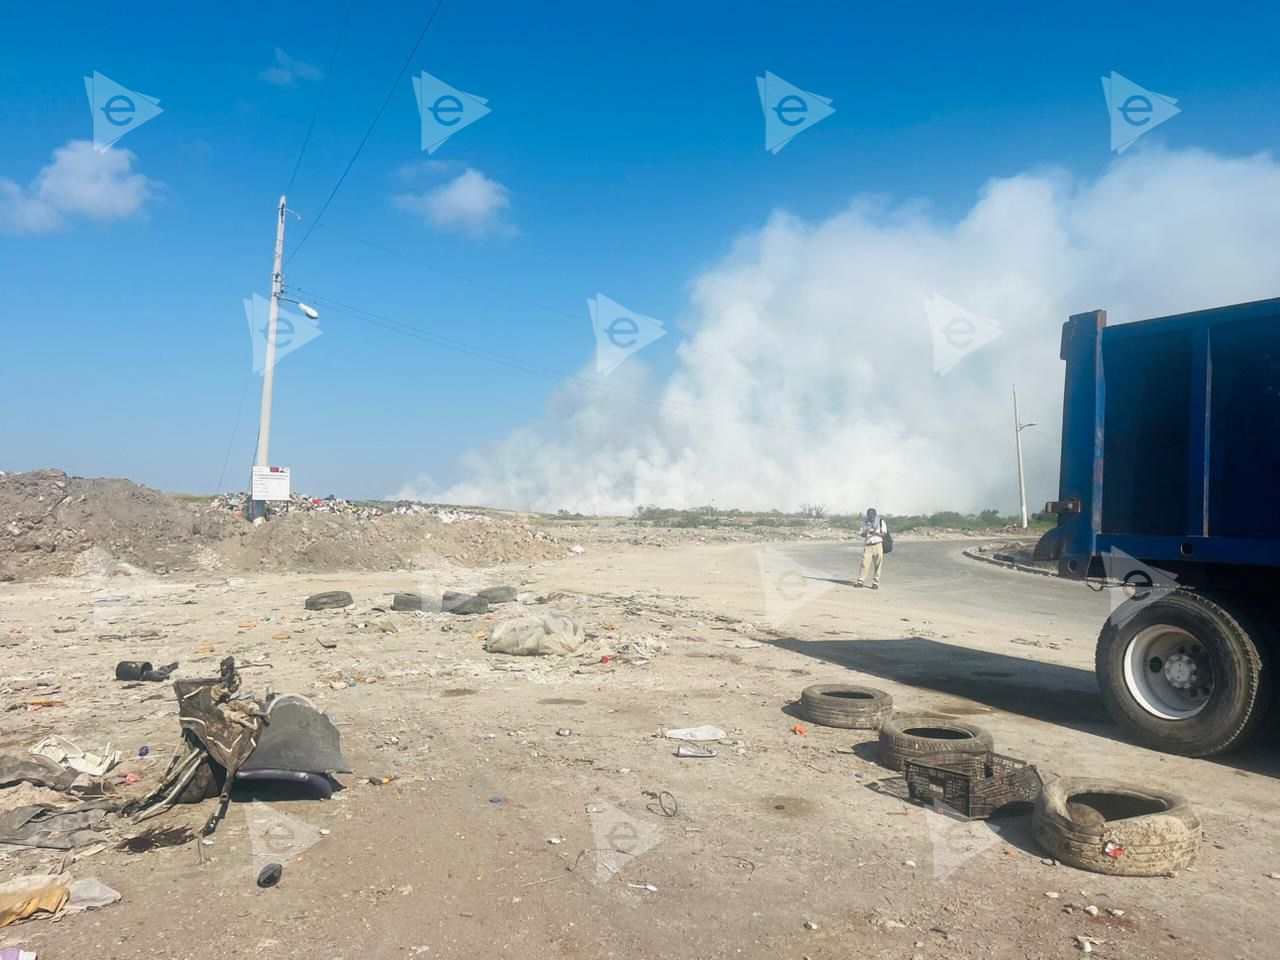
x=314 y=542
x=49 y=522
x=49 y=519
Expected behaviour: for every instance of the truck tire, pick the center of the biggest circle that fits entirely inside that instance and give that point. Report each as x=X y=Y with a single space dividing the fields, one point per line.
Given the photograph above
x=329 y=600
x=850 y=708
x=1115 y=828
x=906 y=738
x=1184 y=673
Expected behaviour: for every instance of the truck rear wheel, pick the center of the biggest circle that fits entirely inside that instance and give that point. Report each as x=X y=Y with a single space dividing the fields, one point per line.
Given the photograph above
x=1184 y=673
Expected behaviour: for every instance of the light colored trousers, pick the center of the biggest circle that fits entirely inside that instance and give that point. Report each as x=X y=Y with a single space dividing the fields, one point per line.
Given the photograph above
x=872 y=554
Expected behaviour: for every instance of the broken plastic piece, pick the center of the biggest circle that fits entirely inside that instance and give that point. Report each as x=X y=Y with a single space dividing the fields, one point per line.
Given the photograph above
x=684 y=750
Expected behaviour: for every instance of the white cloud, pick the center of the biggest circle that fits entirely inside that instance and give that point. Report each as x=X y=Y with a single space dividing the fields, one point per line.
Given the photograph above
x=288 y=71
x=79 y=181
x=807 y=375
x=469 y=203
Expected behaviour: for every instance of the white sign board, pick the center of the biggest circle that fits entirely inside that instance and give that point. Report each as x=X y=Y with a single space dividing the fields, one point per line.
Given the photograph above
x=270 y=483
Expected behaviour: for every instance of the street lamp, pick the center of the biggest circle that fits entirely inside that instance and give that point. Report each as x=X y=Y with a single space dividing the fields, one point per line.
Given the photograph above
x=257 y=508
x=1018 y=427
x=311 y=313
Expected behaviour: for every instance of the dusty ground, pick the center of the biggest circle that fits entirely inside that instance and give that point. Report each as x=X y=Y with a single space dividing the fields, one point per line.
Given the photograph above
x=452 y=857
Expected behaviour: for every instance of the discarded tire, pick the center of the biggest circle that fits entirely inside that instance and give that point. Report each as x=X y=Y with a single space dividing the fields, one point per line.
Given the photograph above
x=463 y=603
x=840 y=705
x=411 y=601
x=906 y=738
x=497 y=594
x=329 y=600
x=1115 y=828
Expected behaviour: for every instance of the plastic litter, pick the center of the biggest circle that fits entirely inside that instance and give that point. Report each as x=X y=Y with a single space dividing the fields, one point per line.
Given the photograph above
x=270 y=875
x=90 y=894
x=550 y=634
x=703 y=734
x=684 y=750
x=71 y=756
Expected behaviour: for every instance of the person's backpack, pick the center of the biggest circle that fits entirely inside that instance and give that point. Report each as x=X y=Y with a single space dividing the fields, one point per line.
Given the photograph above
x=886 y=539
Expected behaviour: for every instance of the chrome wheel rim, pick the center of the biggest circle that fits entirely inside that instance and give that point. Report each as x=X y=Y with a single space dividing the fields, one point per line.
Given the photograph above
x=1168 y=671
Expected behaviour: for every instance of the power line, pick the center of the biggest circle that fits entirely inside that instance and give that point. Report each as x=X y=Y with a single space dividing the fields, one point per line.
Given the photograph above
x=365 y=139
x=483 y=353
x=235 y=426
x=500 y=291
x=342 y=32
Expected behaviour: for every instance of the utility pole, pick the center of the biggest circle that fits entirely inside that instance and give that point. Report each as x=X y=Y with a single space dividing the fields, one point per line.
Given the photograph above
x=1018 y=427
x=258 y=507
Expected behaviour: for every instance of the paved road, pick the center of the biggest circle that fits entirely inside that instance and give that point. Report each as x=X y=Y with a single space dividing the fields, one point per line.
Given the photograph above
x=934 y=575
x=997 y=637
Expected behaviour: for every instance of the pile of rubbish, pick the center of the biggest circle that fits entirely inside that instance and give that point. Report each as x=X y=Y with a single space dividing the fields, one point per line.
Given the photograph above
x=237 y=504
x=60 y=796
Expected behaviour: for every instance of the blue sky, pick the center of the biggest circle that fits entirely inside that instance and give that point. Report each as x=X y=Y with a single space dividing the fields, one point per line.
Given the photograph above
x=627 y=141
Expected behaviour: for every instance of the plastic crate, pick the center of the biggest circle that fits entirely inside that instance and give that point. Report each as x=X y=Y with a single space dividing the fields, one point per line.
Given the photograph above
x=976 y=785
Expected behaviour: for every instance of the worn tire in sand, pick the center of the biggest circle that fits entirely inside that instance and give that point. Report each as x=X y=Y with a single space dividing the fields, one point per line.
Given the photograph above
x=906 y=738
x=1149 y=832
x=848 y=707
x=329 y=600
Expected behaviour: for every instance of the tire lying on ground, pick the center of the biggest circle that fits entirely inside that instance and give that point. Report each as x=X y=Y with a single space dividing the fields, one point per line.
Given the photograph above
x=328 y=600
x=906 y=738
x=840 y=705
x=413 y=601
x=1185 y=673
x=462 y=603
x=1115 y=828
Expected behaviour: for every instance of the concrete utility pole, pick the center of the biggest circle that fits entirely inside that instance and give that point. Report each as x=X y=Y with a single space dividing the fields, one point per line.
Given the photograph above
x=258 y=507
x=1017 y=438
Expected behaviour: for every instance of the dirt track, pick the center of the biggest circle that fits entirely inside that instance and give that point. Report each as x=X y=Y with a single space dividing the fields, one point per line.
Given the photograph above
x=777 y=830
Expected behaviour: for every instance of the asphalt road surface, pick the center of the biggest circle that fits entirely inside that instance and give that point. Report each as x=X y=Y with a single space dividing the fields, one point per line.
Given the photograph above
x=999 y=638
x=935 y=575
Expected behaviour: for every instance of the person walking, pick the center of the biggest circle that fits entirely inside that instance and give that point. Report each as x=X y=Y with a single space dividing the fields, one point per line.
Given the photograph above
x=873 y=533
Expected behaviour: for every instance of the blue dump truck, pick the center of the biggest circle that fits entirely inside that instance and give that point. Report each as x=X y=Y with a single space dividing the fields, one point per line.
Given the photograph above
x=1169 y=495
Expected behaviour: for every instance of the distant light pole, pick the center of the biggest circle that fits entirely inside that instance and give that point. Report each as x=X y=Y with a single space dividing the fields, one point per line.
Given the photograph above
x=257 y=508
x=1017 y=437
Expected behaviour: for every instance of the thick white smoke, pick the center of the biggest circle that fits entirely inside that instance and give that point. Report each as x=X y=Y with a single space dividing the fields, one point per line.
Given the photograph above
x=807 y=373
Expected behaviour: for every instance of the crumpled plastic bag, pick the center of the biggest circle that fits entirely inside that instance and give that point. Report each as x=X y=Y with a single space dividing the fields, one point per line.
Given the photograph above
x=90 y=894
x=547 y=635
